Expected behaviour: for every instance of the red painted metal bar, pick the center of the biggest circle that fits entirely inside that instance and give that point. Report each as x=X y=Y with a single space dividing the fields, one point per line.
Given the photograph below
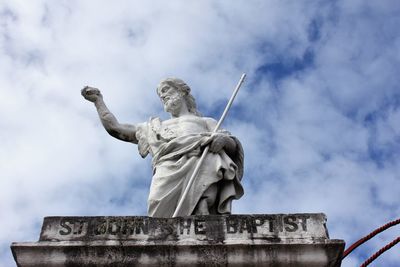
x=369 y=236
x=380 y=252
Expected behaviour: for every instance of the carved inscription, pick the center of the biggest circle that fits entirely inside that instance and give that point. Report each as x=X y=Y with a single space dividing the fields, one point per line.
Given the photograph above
x=74 y=227
x=158 y=228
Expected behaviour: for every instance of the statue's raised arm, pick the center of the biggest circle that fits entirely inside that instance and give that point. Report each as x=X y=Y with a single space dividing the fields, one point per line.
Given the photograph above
x=124 y=132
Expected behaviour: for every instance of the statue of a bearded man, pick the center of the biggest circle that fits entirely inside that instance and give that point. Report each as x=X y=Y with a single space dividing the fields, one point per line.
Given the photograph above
x=176 y=145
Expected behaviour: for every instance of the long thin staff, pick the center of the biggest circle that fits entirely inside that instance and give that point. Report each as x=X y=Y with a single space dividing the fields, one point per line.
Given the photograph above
x=205 y=151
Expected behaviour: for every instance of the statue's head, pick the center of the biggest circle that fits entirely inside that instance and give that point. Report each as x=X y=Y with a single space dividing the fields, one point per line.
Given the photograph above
x=179 y=90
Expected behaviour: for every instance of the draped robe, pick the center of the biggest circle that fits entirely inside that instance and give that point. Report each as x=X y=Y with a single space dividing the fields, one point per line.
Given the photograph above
x=176 y=146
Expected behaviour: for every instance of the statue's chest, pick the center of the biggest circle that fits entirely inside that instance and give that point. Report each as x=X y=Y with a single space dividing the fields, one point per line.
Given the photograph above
x=174 y=128
x=157 y=132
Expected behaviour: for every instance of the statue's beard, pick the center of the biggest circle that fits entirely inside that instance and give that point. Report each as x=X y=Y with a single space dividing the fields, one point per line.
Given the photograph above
x=173 y=104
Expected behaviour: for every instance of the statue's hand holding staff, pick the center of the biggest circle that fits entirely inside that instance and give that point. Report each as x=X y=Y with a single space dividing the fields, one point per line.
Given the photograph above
x=217 y=142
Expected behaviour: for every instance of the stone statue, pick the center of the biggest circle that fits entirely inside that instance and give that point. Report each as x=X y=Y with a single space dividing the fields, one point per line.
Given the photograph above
x=175 y=146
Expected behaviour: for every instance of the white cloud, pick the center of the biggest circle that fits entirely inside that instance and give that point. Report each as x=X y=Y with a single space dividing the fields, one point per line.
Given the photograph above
x=306 y=137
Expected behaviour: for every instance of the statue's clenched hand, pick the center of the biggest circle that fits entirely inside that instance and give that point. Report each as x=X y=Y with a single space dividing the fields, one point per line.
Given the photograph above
x=91 y=94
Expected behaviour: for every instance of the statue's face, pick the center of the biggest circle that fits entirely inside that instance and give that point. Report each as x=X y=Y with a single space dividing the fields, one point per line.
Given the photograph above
x=171 y=99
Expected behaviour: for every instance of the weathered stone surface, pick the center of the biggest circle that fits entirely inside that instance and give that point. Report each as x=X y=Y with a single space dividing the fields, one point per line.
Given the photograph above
x=232 y=240
x=192 y=229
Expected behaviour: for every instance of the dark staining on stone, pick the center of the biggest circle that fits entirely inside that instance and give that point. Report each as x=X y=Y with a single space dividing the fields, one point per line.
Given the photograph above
x=166 y=256
x=212 y=255
x=272 y=239
x=214 y=230
x=110 y=256
x=163 y=229
x=168 y=230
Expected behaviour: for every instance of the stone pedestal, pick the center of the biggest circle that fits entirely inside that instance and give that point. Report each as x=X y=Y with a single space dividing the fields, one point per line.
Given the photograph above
x=233 y=240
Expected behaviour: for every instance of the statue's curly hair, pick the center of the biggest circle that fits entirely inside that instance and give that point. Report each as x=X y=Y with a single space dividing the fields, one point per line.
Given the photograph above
x=184 y=90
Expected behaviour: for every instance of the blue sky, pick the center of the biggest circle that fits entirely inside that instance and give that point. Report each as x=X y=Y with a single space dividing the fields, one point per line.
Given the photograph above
x=318 y=116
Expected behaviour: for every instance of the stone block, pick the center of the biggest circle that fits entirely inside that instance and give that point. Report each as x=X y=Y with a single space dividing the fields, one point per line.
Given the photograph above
x=226 y=240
